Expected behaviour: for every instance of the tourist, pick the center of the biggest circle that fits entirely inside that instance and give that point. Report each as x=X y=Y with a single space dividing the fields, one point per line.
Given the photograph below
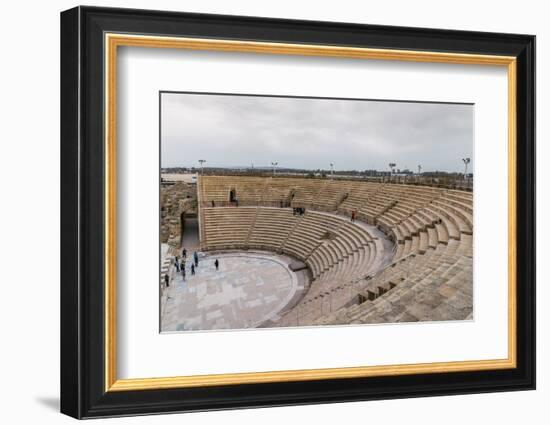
x=353 y=216
x=192 y=269
x=177 y=263
x=166 y=280
x=183 y=272
x=184 y=253
x=196 y=258
x=217 y=264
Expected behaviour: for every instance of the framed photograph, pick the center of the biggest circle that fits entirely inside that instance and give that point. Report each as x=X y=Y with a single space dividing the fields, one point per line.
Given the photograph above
x=261 y=212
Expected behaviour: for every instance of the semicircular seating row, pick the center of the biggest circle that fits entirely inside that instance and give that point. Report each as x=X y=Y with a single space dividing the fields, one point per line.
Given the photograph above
x=429 y=278
x=323 y=241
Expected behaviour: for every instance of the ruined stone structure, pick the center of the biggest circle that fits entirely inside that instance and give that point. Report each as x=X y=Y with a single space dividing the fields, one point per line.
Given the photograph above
x=177 y=201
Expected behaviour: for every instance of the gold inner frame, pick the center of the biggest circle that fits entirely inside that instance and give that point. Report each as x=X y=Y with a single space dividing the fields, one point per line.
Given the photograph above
x=113 y=41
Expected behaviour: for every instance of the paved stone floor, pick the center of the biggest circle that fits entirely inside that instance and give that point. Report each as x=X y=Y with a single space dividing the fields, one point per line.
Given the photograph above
x=248 y=289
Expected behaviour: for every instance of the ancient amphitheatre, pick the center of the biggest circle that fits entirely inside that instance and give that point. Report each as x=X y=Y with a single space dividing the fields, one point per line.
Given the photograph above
x=291 y=254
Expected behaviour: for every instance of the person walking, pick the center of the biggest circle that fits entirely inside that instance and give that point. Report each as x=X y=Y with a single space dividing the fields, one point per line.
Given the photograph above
x=177 y=264
x=196 y=258
x=183 y=272
x=192 y=269
x=184 y=253
x=166 y=280
x=217 y=264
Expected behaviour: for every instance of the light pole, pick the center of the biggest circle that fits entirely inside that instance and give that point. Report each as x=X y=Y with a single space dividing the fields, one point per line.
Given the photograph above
x=274 y=164
x=392 y=166
x=201 y=162
x=466 y=161
x=331 y=170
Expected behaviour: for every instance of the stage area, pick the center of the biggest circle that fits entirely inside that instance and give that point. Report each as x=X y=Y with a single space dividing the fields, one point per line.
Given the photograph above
x=247 y=290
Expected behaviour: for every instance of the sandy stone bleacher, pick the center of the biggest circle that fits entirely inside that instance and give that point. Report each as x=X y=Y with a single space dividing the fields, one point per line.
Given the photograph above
x=249 y=190
x=320 y=240
x=335 y=250
x=321 y=195
x=227 y=228
x=430 y=277
x=434 y=286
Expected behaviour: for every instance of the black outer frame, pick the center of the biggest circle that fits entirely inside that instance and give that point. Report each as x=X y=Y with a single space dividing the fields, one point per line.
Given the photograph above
x=82 y=206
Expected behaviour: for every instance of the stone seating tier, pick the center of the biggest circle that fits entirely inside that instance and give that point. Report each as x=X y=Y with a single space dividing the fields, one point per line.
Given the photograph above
x=432 y=229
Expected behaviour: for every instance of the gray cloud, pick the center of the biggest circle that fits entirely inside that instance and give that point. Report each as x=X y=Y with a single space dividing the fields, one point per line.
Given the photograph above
x=311 y=133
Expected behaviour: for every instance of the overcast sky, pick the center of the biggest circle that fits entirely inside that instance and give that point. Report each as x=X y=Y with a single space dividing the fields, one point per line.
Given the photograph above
x=310 y=133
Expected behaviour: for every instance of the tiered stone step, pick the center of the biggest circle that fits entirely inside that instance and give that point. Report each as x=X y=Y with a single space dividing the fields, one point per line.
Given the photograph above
x=432 y=229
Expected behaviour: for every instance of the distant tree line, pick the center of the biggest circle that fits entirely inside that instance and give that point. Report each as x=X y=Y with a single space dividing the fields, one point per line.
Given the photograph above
x=313 y=173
